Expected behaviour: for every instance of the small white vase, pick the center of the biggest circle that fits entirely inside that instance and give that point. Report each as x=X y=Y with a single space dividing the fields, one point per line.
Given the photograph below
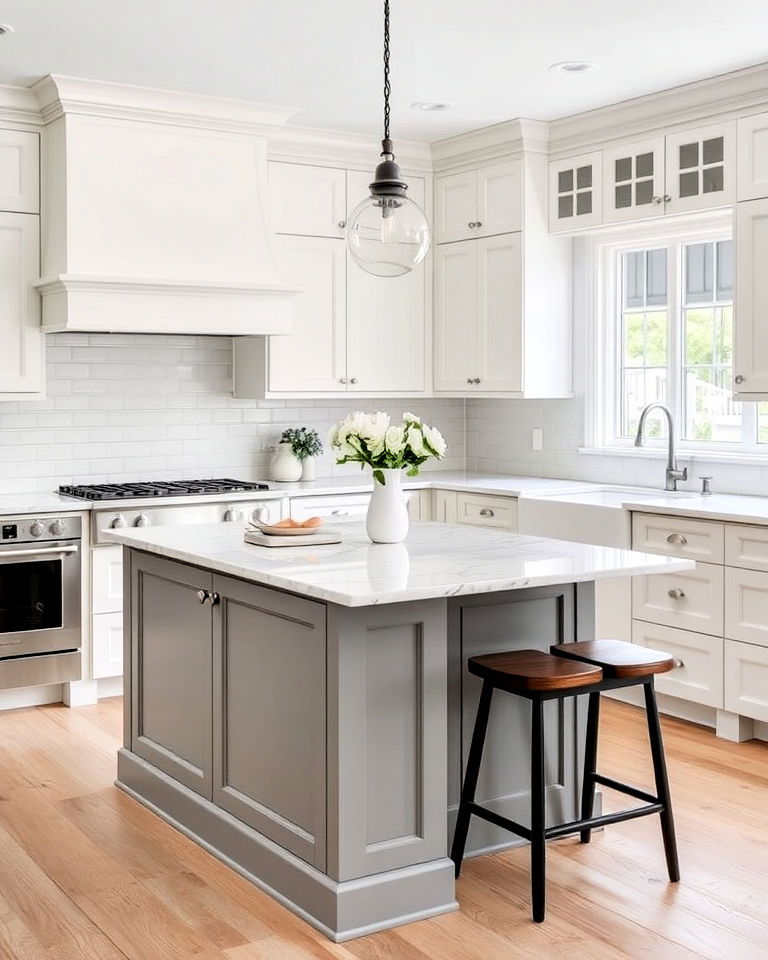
x=308 y=469
x=387 y=518
x=285 y=467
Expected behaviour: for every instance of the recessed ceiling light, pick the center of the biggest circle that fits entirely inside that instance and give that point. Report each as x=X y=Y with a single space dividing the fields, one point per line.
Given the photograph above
x=431 y=106
x=573 y=66
x=5 y=28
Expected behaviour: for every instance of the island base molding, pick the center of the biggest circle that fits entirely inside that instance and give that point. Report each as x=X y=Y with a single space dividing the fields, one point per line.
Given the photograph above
x=340 y=910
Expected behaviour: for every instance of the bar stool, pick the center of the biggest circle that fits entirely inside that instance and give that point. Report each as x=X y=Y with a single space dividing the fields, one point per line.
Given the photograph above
x=573 y=669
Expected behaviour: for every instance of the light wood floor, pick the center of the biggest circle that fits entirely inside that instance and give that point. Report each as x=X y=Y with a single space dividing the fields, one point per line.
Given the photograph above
x=88 y=874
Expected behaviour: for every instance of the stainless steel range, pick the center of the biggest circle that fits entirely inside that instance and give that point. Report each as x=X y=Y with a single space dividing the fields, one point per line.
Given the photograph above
x=40 y=600
x=172 y=503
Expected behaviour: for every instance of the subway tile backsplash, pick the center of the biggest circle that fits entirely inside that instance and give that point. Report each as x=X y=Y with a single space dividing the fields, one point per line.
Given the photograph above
x=129 y=407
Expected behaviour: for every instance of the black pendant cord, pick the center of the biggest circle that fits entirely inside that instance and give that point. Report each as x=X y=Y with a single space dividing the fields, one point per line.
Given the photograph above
x=387 y=87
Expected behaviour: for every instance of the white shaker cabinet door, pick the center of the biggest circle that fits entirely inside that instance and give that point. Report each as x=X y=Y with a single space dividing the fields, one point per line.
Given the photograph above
x=19 y=171
x=499 y=198
x=307 y=200
x=107 y=640
x=633 y=181
x=701 y=168
x=314 y=356
x=386 y=320
x=575 y=193
x=455 y=206
x=752 y=157
x=500 y=314
x=456 y=316
x=21 y=356
x=751 y=309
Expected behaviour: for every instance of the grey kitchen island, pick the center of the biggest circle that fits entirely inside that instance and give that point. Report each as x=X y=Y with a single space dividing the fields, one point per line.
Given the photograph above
x=304 y=713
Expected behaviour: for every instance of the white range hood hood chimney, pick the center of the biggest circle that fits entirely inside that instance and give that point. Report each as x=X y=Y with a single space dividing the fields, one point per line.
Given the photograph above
x=154 y=212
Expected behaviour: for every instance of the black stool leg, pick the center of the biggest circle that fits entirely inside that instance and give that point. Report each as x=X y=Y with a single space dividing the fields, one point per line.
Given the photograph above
x=538 y=801
x=470 y=777
x=590 y=764
x=662 y=783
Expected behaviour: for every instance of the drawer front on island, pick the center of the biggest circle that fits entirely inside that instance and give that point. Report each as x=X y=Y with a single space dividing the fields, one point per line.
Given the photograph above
x=171 y=646
x=269 y=714
x=699 y=678
x=689 y=599
x=678 y=537
x=482 y=511
x=353 y=506
x=746 y=680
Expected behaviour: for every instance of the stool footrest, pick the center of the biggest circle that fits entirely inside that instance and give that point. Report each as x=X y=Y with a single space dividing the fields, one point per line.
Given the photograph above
x=625 y=788
x=576 y=826
x=496 y=818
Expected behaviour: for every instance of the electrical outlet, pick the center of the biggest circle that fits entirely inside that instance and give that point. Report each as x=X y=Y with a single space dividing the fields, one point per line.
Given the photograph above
x=537 y=438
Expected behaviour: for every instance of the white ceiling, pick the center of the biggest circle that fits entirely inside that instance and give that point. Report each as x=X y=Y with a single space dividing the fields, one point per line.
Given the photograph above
x=488 y=58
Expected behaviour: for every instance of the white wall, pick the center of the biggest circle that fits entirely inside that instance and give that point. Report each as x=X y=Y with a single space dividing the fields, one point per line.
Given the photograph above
x=126 y=407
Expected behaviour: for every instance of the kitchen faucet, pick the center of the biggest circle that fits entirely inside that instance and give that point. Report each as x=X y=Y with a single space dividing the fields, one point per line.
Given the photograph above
x=673 y=473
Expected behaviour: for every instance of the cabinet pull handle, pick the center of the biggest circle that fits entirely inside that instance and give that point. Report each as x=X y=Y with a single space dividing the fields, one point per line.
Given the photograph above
x=342 y=224
x=676 y=593
x=667 y=198
x=353 y=380
x=471 y=224
x=213 y=598
x=342 y=379
x=677 y=538
x=477 y=379
x=486 y=512
x=470 y=380
x=339 y=513
x=202 y=595
x=679 y=664
x=657 y=200
x=478 y=223
x=739 y=378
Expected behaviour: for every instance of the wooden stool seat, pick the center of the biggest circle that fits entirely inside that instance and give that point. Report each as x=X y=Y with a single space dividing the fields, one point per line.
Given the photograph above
x=617 y=658
x=535 y=670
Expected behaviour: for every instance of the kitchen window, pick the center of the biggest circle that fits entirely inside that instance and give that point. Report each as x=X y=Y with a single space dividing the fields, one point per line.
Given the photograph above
x=665 y=333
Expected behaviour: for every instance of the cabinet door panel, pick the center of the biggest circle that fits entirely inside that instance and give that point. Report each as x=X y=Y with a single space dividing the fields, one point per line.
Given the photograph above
x=752 y=157
x=746 y=680
x=499 y=198
x=107 y=579
x=455 y=206
x=751 y=329
x=314 y=357
x=107 y=643
x=700 y=676
x=688 y=599
x=575 y=193
x=19 y=171
x=500 y=313
x=171 y=669
x=21 y=357
x=455 y=316
x=633 y=181
x=701 y=168
x=386 y=324
x=746 y=605
x=269 y=661
x=307 y=200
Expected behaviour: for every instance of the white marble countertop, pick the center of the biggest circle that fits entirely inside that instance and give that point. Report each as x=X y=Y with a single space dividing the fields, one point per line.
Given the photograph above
x=31 y=504
x=718 y=506
x=437 y=560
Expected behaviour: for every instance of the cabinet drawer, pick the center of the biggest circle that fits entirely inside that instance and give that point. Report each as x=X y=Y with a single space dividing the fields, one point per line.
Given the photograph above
x=746 y=680
x=487 y=511
x=107 y=579
x=350 y=507
x=107 y=644
x=700 y=678
x=746 y=605
x=746 y=546
x=689 y=599
x=678 y=537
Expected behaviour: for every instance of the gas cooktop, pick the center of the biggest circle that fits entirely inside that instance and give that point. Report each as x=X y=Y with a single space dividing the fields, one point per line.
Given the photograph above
x=157 y=488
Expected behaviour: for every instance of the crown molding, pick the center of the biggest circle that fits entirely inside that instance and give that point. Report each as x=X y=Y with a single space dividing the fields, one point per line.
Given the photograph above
x=701 y=101
x=57 y=95
x=488 y=143
x=340 y=148
x=18 y=105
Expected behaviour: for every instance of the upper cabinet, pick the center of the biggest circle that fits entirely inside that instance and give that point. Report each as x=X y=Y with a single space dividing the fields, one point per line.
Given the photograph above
x=752 y=153
x=21 y=358
x=19 y=171
x=681 y=172
x=307 y=201
x=750 y=330
x=478 y=203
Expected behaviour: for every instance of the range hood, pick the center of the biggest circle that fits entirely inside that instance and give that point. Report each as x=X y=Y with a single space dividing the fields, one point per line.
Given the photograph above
x=154 y=213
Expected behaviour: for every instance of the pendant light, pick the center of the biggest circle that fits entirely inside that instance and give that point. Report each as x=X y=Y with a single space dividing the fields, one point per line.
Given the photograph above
x=388 y=234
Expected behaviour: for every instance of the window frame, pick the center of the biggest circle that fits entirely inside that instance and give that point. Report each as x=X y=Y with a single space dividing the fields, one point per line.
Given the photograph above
x=601 y=304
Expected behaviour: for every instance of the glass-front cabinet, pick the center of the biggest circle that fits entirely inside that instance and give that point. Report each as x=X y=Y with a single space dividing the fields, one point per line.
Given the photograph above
x=633 y=181
x=575 y=193
x=701 y=168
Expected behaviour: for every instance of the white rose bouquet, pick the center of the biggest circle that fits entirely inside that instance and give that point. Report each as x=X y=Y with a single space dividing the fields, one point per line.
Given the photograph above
x=370 y=438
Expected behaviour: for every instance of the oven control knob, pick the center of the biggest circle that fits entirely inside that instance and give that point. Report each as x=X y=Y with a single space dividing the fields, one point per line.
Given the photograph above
x=230 y=516
x=118 y=522
x=142 y=521
x=58 y=528
x=37 y=529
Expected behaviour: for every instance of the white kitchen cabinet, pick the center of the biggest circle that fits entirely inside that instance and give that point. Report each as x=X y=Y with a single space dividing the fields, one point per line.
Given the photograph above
x=752 y=157
x=746 y=605
x=751 y=306
x=688 y=599
x=576 y=193
x=21 y=358
x=445 y=506
x=746 y=546
x=107 y=645
x=19 y=171
x=480 y=510
x=633 y=181
x=478 y=203
x=107 y=579
x=701 y=168
x=307 y=200
x=699 y=678
x=456 y=306
x=334 y=507
x=679 y=537
x=746 y=680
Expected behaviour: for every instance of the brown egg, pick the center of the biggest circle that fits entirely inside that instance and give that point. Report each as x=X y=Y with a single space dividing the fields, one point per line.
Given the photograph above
x=313 y=522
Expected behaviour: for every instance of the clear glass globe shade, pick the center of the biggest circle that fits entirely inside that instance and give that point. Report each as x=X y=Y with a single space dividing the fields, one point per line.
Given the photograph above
x=388 y=236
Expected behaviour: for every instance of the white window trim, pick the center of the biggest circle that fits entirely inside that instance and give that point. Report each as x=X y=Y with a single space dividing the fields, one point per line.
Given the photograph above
x=599 y=296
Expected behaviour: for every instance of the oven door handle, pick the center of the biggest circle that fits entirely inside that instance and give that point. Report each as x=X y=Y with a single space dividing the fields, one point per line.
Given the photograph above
x=42 y=551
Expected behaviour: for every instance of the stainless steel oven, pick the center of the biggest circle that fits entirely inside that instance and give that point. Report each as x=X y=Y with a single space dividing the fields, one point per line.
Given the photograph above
x=40 y=600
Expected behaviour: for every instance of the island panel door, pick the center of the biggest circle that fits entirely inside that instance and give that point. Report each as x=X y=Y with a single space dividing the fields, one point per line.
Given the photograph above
x=269 y=691
x=171 y=669
x=525 y=619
